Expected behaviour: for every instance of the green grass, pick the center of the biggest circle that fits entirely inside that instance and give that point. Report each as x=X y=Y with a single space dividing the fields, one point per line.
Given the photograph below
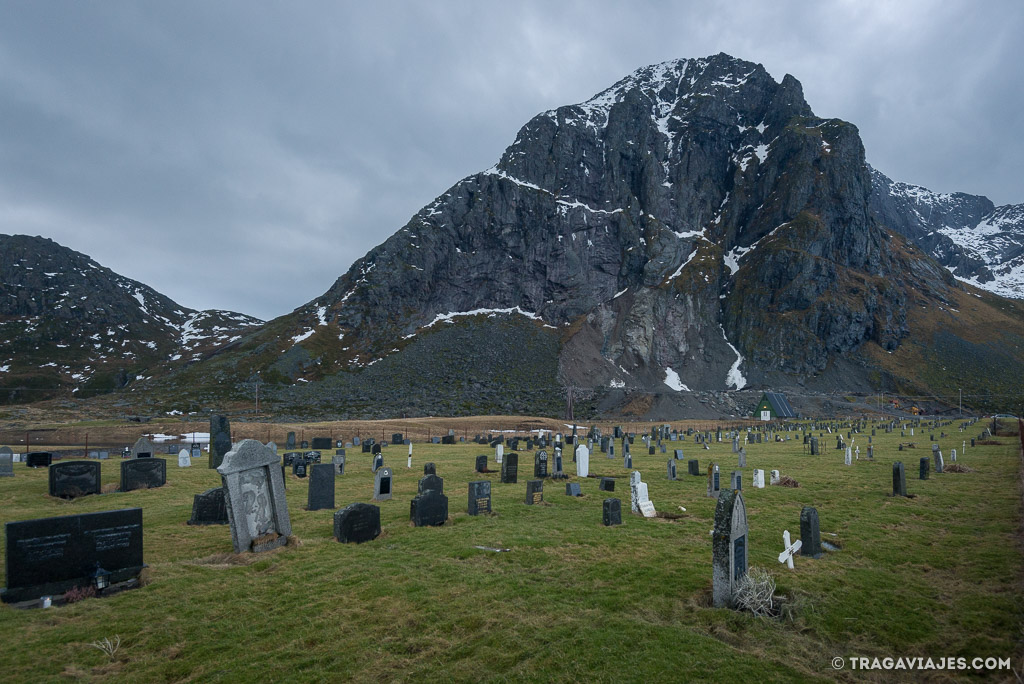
x=935 y=575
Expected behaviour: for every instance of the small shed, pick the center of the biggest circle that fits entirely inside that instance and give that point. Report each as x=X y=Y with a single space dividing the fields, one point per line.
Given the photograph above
x=774 y=405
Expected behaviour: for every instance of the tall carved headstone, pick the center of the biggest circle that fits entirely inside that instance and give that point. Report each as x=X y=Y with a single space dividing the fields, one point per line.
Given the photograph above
x=257 y=508
x=810 y=534
x=899 y=480
x=220 y=439
x=582 y=461
x=321 y=487
x=729 y=548
x=510 y=469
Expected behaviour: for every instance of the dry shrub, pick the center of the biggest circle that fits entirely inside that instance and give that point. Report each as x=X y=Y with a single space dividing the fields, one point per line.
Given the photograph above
x=76 y=594
x=756 y=593
x=956 y=468
x=787 y=481
x=988 y=442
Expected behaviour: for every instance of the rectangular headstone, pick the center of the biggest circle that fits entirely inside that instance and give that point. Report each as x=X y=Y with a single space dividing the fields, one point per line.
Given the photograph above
x=429 y=509
x=321 y=443
x=573 y=489
x=611 y=512
x=540 y=464
x=607 y=484
x=52 y=555
x=479 y=497
x=6 y=462
x=209 y=508
x=694 y=467
x=145 y=473
x=321 y=487
x=810 y=535
x=339 y=464
x=72 y=479
x=510 y=469
x=534 y=492
x=899 y=480
x=382 y=484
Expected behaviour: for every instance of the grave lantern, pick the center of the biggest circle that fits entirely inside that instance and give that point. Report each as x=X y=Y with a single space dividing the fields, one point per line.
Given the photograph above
x=100 y=578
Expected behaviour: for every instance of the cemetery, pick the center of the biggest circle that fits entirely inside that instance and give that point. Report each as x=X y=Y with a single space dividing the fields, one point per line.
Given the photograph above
x=416 y=560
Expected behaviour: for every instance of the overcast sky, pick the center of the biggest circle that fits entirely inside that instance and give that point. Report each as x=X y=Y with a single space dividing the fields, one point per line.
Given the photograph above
x=241 y=155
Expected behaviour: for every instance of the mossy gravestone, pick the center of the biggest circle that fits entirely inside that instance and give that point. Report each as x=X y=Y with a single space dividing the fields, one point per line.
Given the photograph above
x=729 y=548
x=256 y=504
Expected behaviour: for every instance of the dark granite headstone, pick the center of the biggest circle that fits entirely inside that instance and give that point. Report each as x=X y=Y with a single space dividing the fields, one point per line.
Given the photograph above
x=534 y=492
x=899 y=479
x=607 y=484
x=481 y=463
x=671 y=469
x=53 y=555
x=366 y=447
x=209 y=508
x=321 y=487
x=924 y=467
x=289 y=442
x=38 y=459
x=651 y=451
x=146 y=473
x=573 y=489
x=431 y=482
x=429 y=509
x=71 y=479
x=396 y=438
x=6 y=462
x=612 y=512
x=429 y=469
x=311 y=457
x=304 y=444
x=540 y=464
x=321 y=443
x=479 y=497
x=358 y=522
x=220 y=439
x=299 y=467
x=378 y=462
x=694 y=467
x=810 y=535
x=510 y=468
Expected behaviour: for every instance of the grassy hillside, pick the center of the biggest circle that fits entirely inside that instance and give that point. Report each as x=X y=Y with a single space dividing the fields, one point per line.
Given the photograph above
x=934 y=575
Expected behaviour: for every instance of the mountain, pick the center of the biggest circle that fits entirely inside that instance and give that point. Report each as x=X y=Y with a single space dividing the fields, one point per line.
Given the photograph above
x=979 y=243
x=69 y=324
x=692 y=229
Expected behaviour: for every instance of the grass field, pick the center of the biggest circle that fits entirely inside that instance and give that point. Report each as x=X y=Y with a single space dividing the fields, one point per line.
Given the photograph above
x=935 y=575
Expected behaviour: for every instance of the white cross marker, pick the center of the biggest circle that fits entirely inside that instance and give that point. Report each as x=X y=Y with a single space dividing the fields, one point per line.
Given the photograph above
x=787 y=555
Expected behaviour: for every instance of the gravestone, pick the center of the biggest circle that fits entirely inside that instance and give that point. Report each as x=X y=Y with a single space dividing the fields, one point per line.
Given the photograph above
x=220 y=439
x=627 y=461
x=810 y=535
x=429 y=469
x=651 y=451
x=430 y=482
x=339 y=464
x=607 y=484
x=815 y=449
x=356 y=442
x=743 y=458
x=366 y=447
x=510 y=469
x=479 y=497
x=714 y=481
x=6 y=462
x=209 y=508
x=729 y=548
x=299 y=466
x=534 y=492
x=38 y=459
x=693 y=466
x=758 y=479
x=72 y=479
x=736 y=479
x=582 y=461
x=382 y=484
x=481 y=463
x=499 y=453
x=397 y=438
x=573 y=489
x=304 y=444
x=637 y=491
x=195 y=451
x=256 y=504
x=924 y=468
x=321 y=487
x=376 y=449
x=289 y=442
x=848 y=458
x=357 y=522
x=143 y=449
x=377 y=463
x=429 y=509
x=540 y=464
x=774 y=477
x=49 y=556
x=184 y=460
x=939 y=462
x=899 y=480
x=671 y=474
x=611 y=512
x=321 y=443
x=145 y=473
x=556 y=471
x=677 y=454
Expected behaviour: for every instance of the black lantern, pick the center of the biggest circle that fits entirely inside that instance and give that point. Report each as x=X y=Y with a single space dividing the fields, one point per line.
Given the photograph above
x=100 y=578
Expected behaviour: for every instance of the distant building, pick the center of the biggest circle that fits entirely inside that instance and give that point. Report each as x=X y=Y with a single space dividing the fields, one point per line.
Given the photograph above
x=774 y=405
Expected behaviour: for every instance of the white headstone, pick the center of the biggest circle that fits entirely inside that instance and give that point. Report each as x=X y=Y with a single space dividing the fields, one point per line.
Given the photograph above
x=857 y=453
x=774 y=477
x=410 y=448
x=499 y=453
x=582 y=461
x=790 y=550
x=952 y=455
x=409 y=464
x=184 y=460
x=849 y=456
x=758 y=479
x=647 y=508
x=634 y=491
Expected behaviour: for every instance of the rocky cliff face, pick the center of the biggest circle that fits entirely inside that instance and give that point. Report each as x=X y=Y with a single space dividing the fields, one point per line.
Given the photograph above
x=694 y=226
x=978 y=242
x=68 y=323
